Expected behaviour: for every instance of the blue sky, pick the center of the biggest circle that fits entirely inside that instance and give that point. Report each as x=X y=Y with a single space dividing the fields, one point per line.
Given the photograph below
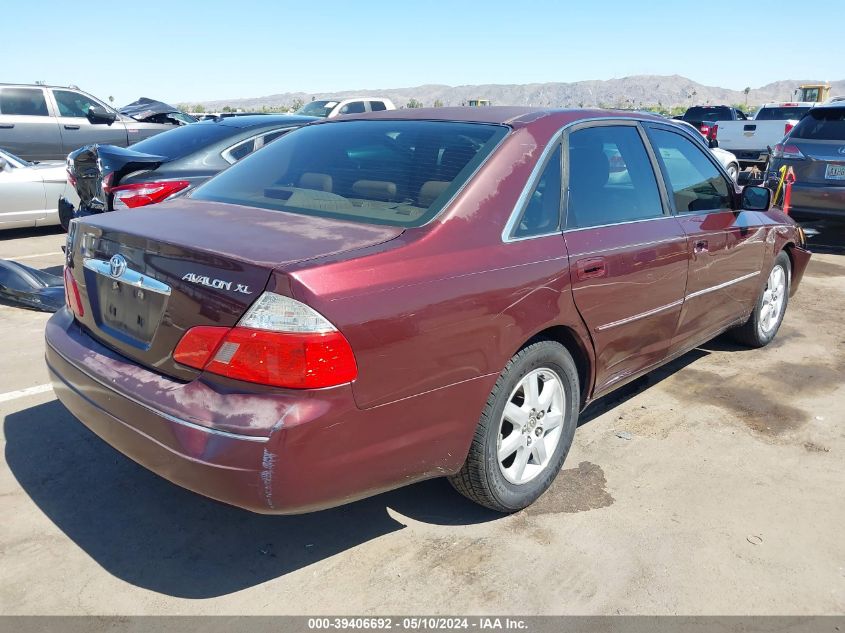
x=192 y=50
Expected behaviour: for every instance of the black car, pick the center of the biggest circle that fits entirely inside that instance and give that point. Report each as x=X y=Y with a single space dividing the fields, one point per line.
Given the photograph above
x=110 y=178
x=703 y=117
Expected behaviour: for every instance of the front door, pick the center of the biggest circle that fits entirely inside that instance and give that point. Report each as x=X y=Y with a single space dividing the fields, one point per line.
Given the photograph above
x=627 y=254
x=76 y=129
x=726 y=244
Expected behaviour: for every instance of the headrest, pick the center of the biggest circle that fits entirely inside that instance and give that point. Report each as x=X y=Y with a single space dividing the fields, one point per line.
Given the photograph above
x=375 y=189
x=318 y=182
x=430 y=191
x=588 y=167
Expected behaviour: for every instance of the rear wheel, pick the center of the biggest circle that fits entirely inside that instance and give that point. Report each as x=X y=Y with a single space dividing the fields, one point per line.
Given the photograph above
x=525 y=431
x=767 y=316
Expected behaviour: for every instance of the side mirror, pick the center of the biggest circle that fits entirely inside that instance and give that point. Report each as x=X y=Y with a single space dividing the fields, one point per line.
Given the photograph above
x=98 y=115
x=756 y=198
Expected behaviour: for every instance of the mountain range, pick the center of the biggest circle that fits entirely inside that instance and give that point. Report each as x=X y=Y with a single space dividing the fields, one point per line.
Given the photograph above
x=638 y=91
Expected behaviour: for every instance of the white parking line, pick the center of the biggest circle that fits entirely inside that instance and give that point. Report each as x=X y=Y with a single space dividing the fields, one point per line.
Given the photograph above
x=37 y=255
x=22 y=393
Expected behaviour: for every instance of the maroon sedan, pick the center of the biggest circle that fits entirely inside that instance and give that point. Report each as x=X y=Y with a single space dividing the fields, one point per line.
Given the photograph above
x=369 y=302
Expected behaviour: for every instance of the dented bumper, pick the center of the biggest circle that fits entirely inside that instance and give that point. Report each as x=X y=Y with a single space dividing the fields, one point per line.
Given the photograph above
x=269 y=451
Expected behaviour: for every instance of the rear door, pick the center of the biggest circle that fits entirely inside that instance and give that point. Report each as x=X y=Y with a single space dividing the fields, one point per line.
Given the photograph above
x=26 y=127
x=725 y=245
x=76 y=130
x=628 y=255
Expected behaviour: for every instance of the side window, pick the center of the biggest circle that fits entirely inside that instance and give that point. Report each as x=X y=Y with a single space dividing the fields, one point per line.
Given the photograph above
x=237 y=152
x=377 y=106
x=23 y=101
x=72 y=104
x=695 y=182
x=354 y=107
x=542 y=213
x=611 y=179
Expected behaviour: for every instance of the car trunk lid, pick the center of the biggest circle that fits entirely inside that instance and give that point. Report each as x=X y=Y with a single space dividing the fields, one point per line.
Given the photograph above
x=146 y=276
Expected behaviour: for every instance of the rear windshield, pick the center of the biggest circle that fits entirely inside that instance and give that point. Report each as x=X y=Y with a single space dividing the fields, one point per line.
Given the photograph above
x=708 y=114
x=187 y=139
x=399 y=173
x=780 y=114
x=824 y=124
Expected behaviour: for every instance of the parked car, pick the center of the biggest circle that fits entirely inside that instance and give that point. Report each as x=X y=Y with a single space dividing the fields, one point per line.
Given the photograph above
x=329 y=109
x=725 y=158
x=108 y=178
x=29 y=191
x=815 y=151
x=373 y=301
x=703 y=117
x=751 y=140
x=47 y=122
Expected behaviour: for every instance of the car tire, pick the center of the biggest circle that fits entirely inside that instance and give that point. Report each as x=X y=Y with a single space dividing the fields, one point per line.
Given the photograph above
x=510 y=482
x=733 y=171
x=765 y=319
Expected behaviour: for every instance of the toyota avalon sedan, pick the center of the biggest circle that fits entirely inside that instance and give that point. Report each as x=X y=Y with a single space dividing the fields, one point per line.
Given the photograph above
x=373 y=301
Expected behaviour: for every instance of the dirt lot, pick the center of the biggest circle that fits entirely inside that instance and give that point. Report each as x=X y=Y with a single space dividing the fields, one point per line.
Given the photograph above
x=724 y=495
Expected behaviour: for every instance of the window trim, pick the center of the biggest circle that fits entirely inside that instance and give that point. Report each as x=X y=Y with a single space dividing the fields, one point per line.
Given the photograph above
x=547 y=159
x=226 y=154
x=561 y=135
x=707 y=155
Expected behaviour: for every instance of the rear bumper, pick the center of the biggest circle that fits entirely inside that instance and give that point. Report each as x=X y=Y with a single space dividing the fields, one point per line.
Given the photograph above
x=749 y=156
x=320 y=452
x=817 y=200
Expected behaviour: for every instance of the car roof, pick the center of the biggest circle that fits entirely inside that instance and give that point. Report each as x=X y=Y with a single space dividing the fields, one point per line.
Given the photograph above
x=514 y=116
x=258 y=120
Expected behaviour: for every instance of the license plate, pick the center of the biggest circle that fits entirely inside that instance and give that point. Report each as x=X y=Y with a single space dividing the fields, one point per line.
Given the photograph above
x=835 y=172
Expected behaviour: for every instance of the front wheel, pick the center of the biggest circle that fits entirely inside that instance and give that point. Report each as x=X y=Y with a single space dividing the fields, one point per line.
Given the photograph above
x=525 y=431
x=767 y=316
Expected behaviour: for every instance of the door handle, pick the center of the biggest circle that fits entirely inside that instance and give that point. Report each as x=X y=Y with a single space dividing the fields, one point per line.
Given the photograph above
x=591 y=268
x=6 y=126
x=701 y=246
x=71 y=127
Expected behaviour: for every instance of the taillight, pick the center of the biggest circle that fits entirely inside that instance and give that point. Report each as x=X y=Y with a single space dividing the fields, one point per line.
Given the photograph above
x=714 y=132
x=279 y=342
x=787 y=128
x=704 y=129
x=144 y=193
x=72 y=296
x=786 y=150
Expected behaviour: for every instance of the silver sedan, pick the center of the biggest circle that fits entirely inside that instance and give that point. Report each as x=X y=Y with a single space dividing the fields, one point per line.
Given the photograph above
x=29 y=192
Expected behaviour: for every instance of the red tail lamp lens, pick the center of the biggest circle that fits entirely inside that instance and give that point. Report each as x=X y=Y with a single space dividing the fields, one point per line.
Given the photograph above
x=144 y=193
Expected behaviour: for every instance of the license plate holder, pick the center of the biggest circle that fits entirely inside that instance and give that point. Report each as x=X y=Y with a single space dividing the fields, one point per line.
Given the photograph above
x=834 y=172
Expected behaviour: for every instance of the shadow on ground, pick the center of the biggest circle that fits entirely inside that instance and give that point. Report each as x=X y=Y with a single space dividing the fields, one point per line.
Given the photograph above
x=153 y=534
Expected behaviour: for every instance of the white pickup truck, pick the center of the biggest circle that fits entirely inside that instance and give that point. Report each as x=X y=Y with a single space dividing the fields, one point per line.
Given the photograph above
x=751 y=140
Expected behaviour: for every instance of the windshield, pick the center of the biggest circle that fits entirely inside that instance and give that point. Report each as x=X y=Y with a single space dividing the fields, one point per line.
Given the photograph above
x=399 y=173
x=823 y=124
x=187 y=139
x=781 y=114
x=708 y=114
x=317 y=108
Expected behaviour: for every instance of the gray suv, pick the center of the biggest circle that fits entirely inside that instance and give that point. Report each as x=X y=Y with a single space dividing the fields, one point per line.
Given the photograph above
x=48 y=122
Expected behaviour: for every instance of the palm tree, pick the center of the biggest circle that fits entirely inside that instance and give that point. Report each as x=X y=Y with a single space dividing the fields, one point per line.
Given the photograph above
x=746 y=91
x=111 y=99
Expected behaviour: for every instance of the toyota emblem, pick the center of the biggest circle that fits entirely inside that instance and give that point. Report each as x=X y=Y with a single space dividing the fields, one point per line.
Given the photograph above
x=117 y=265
